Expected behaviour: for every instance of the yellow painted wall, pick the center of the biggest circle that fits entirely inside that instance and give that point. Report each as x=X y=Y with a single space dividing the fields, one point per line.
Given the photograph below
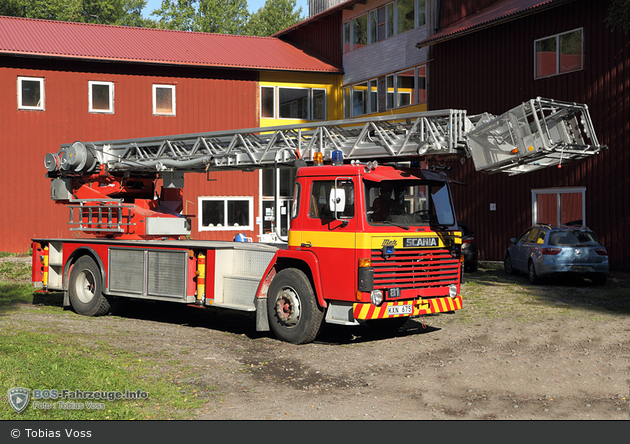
x=330 y=82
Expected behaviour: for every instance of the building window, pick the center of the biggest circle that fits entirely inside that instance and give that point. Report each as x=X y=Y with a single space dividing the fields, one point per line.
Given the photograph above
x=267 y=102
x=293 y=103
x=397 y=90
x=559 y=54
x=383 y=22
x=359 y=32
x=31 y=93
x=101 y=97
x=164 y=100
x=559 y=206
x=226 y=213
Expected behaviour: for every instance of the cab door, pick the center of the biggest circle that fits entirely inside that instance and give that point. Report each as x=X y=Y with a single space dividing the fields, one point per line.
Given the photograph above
x=331 y=235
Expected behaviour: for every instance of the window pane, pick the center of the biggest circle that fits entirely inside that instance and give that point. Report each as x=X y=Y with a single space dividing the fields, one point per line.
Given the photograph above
x=571 y=208
x=571 y=51
x=359 y=99
x=100 y=97
x=381 y=23
x=390 y=20
x=546 y=57
x=422 y=13
x=293 y=103
x=422 y=84
x=406 y=87
x=319 y=104
x=547 y=208
x=373 y=26
x=346 y=37
x=212 y=213
x=347 y=103
x=164 y=100
x=390 y=92
x=267 y=102
x=406 y=17
x=359 y=32
x=373 y=92
x=238 y=213
x=31 y=93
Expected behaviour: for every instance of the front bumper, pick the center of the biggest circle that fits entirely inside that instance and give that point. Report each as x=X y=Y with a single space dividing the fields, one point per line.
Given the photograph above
x=365 y=311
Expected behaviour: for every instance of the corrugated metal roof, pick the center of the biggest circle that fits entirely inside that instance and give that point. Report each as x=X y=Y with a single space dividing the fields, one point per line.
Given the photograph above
x=146 y=45
x=499 y=12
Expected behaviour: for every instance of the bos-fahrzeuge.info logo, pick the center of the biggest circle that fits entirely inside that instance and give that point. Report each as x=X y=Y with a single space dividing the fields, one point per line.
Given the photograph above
x=46 y=399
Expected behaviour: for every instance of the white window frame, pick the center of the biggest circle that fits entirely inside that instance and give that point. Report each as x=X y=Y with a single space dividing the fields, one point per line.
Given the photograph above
x=42 y=105
x=558 y=192
x=225 y=200
x=558 y=54
x=172 y=88
x=311 y=102
x=110 y=109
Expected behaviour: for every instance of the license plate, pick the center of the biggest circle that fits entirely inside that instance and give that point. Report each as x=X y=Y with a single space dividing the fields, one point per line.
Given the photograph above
x=580 y=269
x=399 y=310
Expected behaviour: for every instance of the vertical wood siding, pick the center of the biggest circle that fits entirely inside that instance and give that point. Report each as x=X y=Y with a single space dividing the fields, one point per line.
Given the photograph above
x=493 y=70
x=206 y=100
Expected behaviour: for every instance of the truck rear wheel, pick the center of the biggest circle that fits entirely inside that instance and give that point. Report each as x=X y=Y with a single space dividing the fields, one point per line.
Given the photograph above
x=294 y=315
x=85 y=288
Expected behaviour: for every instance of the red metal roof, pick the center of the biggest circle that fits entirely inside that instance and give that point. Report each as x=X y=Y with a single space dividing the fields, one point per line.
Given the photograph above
x=499 y=12
x=146 y=45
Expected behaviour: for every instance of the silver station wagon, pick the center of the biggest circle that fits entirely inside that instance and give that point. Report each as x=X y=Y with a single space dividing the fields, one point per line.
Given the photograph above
x=550 y=251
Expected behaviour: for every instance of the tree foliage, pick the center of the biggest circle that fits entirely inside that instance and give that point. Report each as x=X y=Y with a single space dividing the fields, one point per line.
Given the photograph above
x=619 y=15
x=108 y=12
x=217 y=16
x=274 y=16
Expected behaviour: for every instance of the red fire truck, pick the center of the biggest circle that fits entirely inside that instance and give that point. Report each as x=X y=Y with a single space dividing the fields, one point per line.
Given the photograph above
x=367 y=242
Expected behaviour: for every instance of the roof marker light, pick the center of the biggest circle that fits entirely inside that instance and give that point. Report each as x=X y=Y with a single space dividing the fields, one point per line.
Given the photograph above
x=318 y=159
x=337 y=157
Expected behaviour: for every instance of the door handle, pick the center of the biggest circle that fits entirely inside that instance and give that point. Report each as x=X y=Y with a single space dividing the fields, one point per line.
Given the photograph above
x=306 y=245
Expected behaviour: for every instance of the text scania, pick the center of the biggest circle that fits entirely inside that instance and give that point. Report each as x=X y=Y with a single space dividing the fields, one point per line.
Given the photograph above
x=420 y=242
x=68 y=433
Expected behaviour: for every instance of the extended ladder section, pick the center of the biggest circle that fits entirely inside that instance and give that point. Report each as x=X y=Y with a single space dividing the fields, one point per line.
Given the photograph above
x=537 y=134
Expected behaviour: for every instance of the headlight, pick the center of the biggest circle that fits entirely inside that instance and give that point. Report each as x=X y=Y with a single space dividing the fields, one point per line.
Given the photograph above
x=452 y=291
x=376 y=297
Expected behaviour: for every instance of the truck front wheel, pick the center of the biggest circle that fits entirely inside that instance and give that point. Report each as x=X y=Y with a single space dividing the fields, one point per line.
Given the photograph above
x=85 y=288
x=294 y=315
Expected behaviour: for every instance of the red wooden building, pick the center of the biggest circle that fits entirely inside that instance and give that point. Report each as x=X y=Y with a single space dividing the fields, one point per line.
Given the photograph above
x=61 y=82
x=493 y=55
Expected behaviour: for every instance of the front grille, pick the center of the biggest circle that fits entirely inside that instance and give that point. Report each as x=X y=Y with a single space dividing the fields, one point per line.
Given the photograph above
x=415 y=268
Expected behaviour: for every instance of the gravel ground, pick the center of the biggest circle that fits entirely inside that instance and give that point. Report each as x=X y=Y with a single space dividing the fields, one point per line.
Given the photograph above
x=568 y=359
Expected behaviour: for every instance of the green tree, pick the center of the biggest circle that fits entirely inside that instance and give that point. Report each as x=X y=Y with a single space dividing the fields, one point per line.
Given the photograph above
x=619 y=15
x=274 y=16
x=217 y=16
x=110 y=12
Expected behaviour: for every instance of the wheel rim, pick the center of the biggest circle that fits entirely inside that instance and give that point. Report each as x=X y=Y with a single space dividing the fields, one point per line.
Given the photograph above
x=288 y=307
x=85 y=286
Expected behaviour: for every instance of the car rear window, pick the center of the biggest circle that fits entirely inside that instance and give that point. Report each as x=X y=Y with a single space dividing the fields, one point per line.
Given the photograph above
x=573 y=238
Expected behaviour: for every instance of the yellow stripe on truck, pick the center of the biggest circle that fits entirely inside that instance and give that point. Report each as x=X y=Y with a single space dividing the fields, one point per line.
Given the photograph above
x=364 y=241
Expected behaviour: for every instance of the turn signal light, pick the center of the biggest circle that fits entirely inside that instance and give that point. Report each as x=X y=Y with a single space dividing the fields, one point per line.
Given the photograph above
x=365 y=262
x=601 y=251
x=514 y=151
x=551 y=251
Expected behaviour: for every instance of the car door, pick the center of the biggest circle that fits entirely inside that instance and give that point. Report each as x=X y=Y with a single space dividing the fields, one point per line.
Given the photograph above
x=522 y=248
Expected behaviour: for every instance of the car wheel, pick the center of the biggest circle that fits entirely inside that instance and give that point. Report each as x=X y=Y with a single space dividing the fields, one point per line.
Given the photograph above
x=507 y=264
x=533 y=277
x=85 y=291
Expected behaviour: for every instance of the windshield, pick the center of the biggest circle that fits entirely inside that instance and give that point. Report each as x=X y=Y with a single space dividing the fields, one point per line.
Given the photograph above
x=409 y=203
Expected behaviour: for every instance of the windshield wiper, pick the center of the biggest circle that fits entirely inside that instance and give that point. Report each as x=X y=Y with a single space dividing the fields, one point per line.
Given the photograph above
x=389 y=222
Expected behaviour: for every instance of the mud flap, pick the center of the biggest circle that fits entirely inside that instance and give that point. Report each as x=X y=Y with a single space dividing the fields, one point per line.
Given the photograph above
x=262 y=319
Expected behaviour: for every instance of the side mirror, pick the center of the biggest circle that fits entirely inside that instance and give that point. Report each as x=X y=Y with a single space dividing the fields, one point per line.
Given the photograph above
x=337 y=201
x=513 y=240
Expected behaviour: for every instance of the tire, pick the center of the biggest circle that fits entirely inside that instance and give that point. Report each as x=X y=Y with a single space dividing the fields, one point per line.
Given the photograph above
x=86 y=296
x=533 y=277
x=507 y=264
x=294 y=315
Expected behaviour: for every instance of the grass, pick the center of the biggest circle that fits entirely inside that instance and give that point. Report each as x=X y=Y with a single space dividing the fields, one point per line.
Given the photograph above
x=34 y=357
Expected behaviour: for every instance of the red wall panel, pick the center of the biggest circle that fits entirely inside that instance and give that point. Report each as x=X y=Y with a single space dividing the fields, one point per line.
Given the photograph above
x=493 y=70
x=206 y=100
